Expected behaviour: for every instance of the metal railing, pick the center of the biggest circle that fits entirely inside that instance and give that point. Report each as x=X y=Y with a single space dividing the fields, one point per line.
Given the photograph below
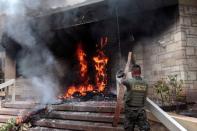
x=6 y=86
x=163 y=117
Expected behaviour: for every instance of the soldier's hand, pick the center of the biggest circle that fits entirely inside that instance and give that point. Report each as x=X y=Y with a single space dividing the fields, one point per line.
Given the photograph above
x=120 y=74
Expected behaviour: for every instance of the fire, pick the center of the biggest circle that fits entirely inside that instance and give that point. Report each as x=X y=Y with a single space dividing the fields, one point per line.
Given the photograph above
x=85 y=87
x=82 y=61
x=100 y=62
x=100 y=65
x=82 y=89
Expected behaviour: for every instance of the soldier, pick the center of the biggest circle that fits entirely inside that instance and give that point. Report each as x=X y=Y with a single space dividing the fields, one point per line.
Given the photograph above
x=134 y=100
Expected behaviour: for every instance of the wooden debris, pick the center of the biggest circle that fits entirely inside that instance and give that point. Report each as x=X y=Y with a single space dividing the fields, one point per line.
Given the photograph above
x=120 y=96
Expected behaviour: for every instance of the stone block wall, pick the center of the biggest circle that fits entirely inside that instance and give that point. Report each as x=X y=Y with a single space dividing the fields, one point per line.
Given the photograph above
x=174 y=51
x=188 y=26
x=162 y=55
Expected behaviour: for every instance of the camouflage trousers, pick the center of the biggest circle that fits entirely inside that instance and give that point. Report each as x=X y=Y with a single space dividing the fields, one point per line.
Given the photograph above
x=135 y=116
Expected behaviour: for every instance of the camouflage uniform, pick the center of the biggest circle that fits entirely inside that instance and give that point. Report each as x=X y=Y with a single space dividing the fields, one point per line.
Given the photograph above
x=134 y=100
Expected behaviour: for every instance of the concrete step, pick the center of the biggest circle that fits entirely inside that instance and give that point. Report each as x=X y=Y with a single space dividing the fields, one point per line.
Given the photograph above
x=5 y=118
x=46 y=129
x=19 y=105
x=88 y=116
x=102 y=107
x=9 y=111
x=84 y=116
x=76 y=125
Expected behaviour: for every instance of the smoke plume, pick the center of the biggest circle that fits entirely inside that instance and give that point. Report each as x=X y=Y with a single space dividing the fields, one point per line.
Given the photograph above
x=35 y=60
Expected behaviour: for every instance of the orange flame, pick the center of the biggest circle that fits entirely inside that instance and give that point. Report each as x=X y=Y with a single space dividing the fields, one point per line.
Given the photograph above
x=82 y=61
x=101 y=76
x=100 y=63
x=82 y=89
x=85 y=87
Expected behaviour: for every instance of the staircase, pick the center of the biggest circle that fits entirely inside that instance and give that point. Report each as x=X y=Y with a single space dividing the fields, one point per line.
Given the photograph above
x=90 y=116
x=12 y=110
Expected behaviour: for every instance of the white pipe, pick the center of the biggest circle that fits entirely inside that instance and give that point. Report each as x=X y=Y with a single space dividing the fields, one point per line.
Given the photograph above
x=163 y=117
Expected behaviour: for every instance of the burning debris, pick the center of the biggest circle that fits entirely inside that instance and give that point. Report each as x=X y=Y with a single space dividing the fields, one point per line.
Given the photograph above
x=83 y=63
x=26 y=117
